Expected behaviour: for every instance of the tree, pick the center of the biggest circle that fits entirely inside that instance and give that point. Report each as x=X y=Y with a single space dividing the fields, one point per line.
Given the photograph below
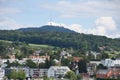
x=21 y=75
x=101 y=66
x=25 y=50
x=16 y=75
x=30 y=63
x=41 y=65
x=4 y=48
x=12 y=75
x=65 y=62
x=46 y=78
x=19 y=56
x=49 y=63
x=15 y=63
x=82 y=66
x=104 y=55
x=71 y=75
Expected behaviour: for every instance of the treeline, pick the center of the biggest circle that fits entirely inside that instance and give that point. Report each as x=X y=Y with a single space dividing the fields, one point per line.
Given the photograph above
x=61 y=39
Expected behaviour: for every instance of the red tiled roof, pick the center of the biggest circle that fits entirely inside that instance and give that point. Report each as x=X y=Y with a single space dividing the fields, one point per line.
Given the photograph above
x=77 y=59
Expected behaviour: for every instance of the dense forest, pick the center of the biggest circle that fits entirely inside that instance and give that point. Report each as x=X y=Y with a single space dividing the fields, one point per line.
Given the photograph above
x=62 y=39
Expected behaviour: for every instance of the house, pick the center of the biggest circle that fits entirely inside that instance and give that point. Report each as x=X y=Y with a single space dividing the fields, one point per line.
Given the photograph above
x=111 y=73
x=85 y=76
x=2 y=73
x=111 y=63
x=12 y=56
x=65 y=54
x=57 y=61
x=57 y=71
x=103 y=74
x=95 y=54
x=91 y=68
x=95 y=62
x=115 y=73
x=39 y=59
x=74 y=64
x=107 y=62
x=38 y=52
x=77 y=59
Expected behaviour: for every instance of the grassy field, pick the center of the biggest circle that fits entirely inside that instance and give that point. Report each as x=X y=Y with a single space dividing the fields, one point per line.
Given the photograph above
x=6 y=41
x=34 y=46
x=38 y=46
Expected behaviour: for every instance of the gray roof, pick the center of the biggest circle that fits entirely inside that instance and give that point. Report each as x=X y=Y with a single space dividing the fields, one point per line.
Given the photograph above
x=102 y=71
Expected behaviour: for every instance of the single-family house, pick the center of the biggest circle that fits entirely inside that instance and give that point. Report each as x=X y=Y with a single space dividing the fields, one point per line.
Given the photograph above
x=103 y=74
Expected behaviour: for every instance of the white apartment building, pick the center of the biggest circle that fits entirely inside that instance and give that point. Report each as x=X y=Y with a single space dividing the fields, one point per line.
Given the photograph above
x=34 y=73
x=56 y=71
x=38 y=72
x=111 y=63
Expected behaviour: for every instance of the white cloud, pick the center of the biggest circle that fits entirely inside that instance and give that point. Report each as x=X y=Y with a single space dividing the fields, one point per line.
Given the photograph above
x=74 y=27
x=104 y=26
x=106 y=22
x=8 y=24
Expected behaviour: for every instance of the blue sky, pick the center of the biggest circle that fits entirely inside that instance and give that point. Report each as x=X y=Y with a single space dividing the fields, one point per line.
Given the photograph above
x=98 y=17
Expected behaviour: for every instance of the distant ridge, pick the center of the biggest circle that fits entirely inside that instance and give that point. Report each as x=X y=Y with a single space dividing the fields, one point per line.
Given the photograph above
x=47 y=28
x=61 y=37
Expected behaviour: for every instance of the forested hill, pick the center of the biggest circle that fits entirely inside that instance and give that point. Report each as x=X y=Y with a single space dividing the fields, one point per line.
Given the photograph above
x=62 y=39
x=47 y=28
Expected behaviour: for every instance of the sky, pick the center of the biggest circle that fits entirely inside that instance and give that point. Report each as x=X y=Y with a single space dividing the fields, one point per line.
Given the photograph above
x=97 y=17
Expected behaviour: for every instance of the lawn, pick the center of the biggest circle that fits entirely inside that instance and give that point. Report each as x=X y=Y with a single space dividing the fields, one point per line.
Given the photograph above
x=40 y=46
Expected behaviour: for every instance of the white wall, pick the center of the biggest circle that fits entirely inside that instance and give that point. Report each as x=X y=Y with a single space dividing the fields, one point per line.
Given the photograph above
x=2 y=73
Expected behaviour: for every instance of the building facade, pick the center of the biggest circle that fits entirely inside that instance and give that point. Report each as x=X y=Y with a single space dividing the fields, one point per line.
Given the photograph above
x=2 y=73
x=56 y=71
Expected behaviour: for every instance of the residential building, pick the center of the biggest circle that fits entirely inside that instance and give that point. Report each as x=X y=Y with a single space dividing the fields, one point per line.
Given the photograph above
x=7 y=71
x=43 y=72
x=35 y=73
x=39 y=59
x=91 y=68
x=85 y=76
x=77 y=59
x=95 y=62
x=103 y=74
x=65 y=54
x=111 y=73
x=2 y=73
x=56 y=71
x=111 y=63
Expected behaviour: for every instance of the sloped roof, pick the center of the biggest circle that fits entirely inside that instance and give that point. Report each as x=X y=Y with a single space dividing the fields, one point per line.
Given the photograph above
x=102 y=71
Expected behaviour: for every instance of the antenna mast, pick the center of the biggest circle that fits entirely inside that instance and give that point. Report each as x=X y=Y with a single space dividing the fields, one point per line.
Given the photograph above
x=51 y=20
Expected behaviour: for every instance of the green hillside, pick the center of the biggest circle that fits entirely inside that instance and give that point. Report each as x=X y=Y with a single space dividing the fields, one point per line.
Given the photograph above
x=79 y=41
